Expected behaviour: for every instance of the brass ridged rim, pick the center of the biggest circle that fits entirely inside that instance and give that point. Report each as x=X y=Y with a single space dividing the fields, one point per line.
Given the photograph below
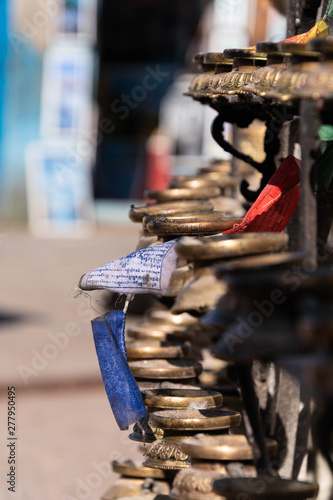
x=157 y=352
x=181 y=398
x=136 y=470
x=173 y=207
x=162 y=368
x=211 y=419
x=223 y=447
x=187 y=227
x=183 y=193
x=227 y=246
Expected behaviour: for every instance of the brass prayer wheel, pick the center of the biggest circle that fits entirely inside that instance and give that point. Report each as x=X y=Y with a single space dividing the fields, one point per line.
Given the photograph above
x=212 y=458
x=222 y=66
x=245 y=63
x=166 y=316
x=151 y=350
x=200 y=293
x=190 y=182
x=201 y=81
x=165 y=369
x=129 y=468
x=159 y=399
x=225 y=447
x=192 y=224
x=268 y=76
x=178 y=424
x=168 y=208
x=302 y=63
x=264 y=488
x=232 y=245
x=175 y=194
x=319 y=85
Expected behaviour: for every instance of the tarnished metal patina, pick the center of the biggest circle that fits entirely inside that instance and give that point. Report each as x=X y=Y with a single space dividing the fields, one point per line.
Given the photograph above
x=303 y=62
x=267 y=77
x=245 y=64
x=319 y=84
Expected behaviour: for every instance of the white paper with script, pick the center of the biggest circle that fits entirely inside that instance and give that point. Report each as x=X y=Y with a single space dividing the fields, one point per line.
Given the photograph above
x=144 y=271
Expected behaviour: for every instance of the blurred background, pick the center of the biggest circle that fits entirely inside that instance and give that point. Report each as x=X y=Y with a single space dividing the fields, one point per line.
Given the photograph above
x=91 y=114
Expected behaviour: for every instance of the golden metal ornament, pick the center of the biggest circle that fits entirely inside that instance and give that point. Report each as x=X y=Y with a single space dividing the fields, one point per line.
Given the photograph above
x=167 y=208
x=165 y=369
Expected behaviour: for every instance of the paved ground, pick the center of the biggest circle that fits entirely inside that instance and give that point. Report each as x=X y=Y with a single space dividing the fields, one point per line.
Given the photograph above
x=66 y=431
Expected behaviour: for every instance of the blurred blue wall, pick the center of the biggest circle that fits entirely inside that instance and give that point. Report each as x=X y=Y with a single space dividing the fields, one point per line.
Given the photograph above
x=20 y=86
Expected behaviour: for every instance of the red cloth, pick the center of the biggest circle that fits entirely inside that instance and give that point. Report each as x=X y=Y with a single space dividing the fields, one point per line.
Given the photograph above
x=276 y=203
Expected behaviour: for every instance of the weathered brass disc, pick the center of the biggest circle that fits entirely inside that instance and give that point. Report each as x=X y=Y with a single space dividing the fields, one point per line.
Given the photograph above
x=165 y=369
x=196 y=483
x=192 y=225
x=211 y=419
x=124 y=487
x=193 y=215
x=178 y=279
x=173 y=207
x=244 y=53
x=222 y=180
x=221 y=166
x=166 y=350
x=230 y=245
x=199 y=293
x=271 y=488
x=176 y=319
x=223 y=447
x=187 y=181
x=136 y=469
x=181 y=398
x=279 y=261
x=203 y=193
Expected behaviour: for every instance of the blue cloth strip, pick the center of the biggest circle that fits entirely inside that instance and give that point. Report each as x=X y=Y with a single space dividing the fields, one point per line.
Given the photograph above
x=120 y=385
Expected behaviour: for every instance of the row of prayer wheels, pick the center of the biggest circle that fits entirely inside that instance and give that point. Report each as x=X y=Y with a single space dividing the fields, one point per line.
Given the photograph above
x=232 y=300
x=277 y=72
